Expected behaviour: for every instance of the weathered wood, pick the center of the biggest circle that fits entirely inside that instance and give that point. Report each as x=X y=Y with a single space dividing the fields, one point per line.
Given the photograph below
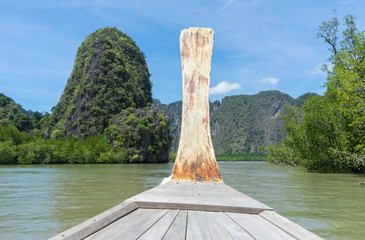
x=131 y=226
x=225 y=222
x=96 y=223
x=195 y=160
x=197 y=227
x=202 y=196
x=198 y=207
x=177 y=230
x=288 y=226
x=214 y=227
x=159 y=229
x=258 y=227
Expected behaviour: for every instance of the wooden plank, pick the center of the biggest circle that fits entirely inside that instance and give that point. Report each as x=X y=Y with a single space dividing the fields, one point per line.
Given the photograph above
x=258 y=227
x=96 y=223
x=201 y=196
x=197 y=226
x=288 y=226
x=158 y=230
x=198 y=207
x=177 y=230
x=216 y=230
x=222 y=221
x=131 y=226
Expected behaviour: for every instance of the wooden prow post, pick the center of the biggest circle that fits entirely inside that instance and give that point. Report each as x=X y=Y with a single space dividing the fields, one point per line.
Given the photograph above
x=195 y=159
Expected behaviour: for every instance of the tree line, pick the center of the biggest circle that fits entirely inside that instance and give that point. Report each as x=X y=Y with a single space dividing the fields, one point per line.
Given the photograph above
x=137 y=135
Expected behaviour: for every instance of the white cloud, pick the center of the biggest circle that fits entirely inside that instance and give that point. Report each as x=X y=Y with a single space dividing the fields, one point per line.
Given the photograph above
x=224 y=87
x=270 y=80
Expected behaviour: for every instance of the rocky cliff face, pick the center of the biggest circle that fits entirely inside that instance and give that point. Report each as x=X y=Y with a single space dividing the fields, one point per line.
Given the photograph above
x=174 y=110
x=110 y=74
x=242 y=123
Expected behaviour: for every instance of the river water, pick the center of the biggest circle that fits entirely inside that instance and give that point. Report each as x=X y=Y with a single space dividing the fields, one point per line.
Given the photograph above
x=37 y=202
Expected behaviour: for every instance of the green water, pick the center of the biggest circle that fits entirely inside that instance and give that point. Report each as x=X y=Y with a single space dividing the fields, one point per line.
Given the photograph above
x=37 y=202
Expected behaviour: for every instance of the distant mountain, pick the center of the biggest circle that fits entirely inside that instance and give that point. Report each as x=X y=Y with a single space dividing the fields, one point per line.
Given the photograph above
x=242 y=123
x=174 y=111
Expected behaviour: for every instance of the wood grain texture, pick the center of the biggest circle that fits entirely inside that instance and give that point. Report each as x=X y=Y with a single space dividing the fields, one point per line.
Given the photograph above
x=96 y=223
x=214 y=227
x=195 y=160
x=197 y=227
x=204 y=196
x=288 y=226
x=159 y=229
x=131 y=226
x=224 y=222
x=258 y=227
x=177 y=230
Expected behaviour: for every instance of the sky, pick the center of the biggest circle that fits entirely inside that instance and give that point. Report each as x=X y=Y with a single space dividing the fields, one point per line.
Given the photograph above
x=258 y=45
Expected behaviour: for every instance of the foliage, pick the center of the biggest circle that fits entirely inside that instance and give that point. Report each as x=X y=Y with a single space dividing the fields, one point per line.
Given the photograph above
x=8 y=152
x=231 y=158
x=110 y=74
x=172 y=156
x=90 y=124
x=242 y=157
x=328 y=133
x=240 y=124
x=136 y=135
x=14 y=114
x=142 y=133
x=279 y=153
x=160 y=106
x=24 y=148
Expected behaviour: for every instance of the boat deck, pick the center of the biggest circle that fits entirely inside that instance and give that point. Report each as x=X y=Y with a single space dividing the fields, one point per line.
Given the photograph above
x=188 y=210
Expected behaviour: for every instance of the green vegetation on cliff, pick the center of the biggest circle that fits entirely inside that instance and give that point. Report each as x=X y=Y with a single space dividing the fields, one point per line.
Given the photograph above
x=12 y=113
x=240 y=124
x=140 y=135
x=110 y=74
x=104 y=115
x=327 y=134
x=243 y=123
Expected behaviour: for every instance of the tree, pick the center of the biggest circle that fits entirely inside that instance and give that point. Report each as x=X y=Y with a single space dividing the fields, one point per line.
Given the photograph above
x=331 y=134
x=346 y=85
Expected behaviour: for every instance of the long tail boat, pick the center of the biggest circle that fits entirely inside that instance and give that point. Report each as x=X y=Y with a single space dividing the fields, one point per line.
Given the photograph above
x=193 y=203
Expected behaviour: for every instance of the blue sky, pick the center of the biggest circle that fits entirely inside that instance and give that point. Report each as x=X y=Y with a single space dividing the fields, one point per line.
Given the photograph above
x=259 y=44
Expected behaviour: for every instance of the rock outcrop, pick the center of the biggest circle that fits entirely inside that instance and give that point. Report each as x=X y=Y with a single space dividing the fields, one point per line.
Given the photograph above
x=242 y=123
x=110 y=74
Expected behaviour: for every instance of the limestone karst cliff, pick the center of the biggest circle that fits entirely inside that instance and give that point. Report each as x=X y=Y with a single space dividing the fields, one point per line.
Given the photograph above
x=241 y=123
